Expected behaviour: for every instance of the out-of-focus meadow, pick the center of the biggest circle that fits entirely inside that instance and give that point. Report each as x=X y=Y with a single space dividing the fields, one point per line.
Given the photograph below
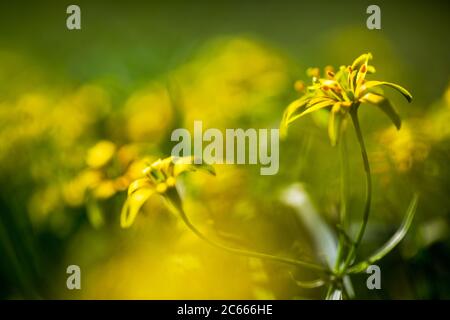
x=82 y=112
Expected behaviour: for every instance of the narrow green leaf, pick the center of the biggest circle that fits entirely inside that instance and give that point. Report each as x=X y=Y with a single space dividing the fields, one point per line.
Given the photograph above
x=403 y=91
x=385 y=105
x=393 y=241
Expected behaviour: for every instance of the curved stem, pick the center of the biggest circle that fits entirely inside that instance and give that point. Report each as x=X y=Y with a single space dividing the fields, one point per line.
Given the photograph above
x=344 y=183
x=310 y=284
x=178 y=209
x=343 y=204
x=368 y=200
x=330 y=290
x=333 y=288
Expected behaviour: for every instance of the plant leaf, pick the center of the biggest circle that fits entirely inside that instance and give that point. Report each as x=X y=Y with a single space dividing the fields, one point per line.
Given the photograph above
x=133 y=204
x=403 y=91
x=385 y=105
x=393 y=241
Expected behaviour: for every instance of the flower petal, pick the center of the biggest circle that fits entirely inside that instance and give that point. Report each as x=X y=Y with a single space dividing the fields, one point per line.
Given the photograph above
x=403 y=91
x=385 y=105
x=358 y=62
x=294 y=106
x=334 y=124
x=133 y=204
x=322 y=104
x=181 y=165
x=291 y=109
x=138 y=184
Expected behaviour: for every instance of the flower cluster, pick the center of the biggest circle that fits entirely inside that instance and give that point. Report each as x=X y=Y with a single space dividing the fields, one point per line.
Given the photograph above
x=159 y=177
x=342 y=92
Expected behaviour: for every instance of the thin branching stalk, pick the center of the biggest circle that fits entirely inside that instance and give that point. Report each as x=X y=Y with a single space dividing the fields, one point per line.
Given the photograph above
x=368 y=200
x=177 y=209
x=343 y=204
x=334 y=292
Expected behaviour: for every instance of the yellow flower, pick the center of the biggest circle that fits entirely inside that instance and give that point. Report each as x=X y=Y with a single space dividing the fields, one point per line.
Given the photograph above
x=100 y=154
x=160 y=178
x=342 y=92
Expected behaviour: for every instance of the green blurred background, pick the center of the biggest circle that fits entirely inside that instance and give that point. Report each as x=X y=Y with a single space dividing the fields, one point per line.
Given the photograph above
x=81 y=112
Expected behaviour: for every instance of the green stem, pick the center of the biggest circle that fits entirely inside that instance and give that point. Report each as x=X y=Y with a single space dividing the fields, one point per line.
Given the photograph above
x=307 y=265
x=344 y=183
x=343 y=205
x=330 y=291
x=368 y=200
x=332 y=288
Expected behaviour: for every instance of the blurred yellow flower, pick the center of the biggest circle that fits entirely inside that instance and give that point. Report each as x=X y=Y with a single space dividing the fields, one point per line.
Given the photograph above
x=148 y=114
x=74 y=191
x=105 y=189
x=230 y=79
x=406 y=147
x=100 y=154
x=110 y=170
